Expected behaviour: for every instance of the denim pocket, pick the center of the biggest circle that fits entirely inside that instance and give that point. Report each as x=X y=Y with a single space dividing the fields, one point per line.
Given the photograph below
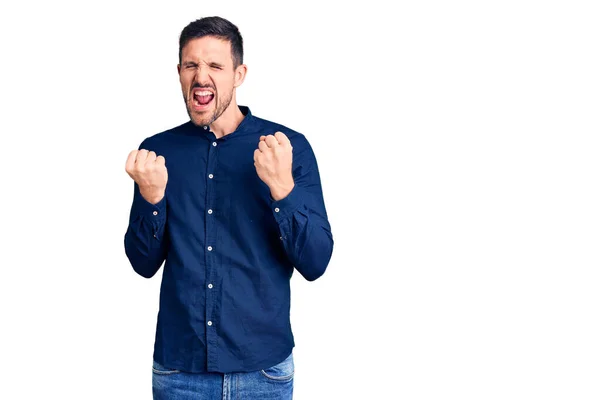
x=282 y=372
x=162 y=370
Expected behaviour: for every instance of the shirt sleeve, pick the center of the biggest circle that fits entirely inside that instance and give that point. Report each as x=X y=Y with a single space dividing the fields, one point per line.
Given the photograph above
x=145 y=242
x=302 y=219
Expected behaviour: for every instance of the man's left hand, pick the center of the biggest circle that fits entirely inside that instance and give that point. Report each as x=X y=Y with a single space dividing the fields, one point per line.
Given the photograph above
x=273 y=162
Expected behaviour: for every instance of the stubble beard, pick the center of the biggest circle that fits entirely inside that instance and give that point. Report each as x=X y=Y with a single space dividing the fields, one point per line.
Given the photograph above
x=200 y=119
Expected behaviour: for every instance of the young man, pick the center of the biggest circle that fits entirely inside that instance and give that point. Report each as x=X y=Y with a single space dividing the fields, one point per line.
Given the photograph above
x=234 y=204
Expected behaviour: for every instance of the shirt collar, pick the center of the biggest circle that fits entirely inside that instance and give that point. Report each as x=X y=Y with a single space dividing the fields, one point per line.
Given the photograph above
x=244 y=126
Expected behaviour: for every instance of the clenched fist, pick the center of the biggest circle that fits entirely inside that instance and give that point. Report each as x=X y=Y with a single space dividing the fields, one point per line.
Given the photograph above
x=150 y=173
x=273 y=162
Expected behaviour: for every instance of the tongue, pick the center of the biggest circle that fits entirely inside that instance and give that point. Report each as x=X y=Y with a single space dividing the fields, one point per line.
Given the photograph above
x=204 y=99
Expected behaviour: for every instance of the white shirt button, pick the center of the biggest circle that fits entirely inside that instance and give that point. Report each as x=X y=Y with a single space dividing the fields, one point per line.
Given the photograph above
x=210 y=176
x=214 y=143
x=209 y=248
x=280 y=237
x=155 y=213
x=276 y=209
x=210 y=211
x=209 y=323
x=210 y=285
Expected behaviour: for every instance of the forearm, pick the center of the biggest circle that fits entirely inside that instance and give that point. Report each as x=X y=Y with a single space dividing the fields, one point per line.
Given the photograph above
x=305 y=233
x=145 y=241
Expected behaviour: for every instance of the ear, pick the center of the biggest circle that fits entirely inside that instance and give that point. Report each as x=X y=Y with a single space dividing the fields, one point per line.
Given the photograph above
x=178 y=69
x=240 y=75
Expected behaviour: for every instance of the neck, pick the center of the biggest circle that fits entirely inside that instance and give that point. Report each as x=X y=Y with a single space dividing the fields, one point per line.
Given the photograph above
x=228 y=121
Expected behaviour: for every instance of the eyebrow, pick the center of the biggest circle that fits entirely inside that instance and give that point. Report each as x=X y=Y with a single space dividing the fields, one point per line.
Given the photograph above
x=210 y=63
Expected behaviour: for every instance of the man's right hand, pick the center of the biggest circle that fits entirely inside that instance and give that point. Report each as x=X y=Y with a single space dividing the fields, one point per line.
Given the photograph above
x=150 y=173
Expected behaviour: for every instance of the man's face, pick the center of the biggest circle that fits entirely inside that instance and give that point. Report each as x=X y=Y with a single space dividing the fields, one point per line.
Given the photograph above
x=207 y=78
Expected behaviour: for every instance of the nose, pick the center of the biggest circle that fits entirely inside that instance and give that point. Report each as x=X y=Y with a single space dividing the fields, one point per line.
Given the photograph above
x=202 y=76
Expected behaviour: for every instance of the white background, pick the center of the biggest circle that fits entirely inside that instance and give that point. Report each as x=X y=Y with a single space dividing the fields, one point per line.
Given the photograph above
x=458 y=149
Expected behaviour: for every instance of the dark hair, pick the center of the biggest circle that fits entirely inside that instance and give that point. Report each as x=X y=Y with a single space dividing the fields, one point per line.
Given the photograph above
x=217 y=27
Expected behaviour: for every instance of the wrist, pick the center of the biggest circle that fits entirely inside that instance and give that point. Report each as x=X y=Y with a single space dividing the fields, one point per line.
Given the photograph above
x=280 y=192
x=152 y=196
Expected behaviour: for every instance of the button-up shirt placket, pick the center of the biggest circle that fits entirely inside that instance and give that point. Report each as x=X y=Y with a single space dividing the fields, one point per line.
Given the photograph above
x=211 y=256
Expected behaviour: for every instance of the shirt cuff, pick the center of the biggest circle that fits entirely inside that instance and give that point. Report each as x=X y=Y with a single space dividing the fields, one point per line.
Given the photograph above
x=285 y=207
x=154 y=212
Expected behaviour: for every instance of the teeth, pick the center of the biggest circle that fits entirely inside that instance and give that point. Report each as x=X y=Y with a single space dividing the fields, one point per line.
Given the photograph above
x=202 y=93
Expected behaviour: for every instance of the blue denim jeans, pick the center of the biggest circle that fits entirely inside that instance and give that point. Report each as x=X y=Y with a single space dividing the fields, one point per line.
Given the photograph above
x=274 y=383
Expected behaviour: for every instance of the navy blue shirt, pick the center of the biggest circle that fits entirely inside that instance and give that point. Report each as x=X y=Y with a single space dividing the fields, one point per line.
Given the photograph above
x=229 y=249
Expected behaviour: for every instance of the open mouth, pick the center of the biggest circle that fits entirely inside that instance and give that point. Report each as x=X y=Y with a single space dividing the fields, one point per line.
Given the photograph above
x=202 y=99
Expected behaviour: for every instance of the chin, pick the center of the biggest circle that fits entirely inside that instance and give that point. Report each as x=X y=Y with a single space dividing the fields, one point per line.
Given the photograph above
x=201 y=119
